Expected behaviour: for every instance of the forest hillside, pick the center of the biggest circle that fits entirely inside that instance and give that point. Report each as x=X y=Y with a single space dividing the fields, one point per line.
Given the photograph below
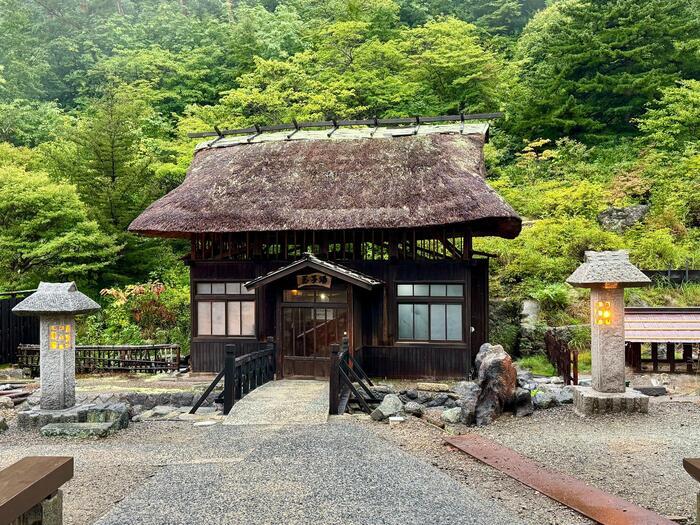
x=599 y=146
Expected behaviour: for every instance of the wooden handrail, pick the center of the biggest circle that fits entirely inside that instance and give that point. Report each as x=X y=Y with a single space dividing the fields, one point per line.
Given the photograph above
x=233 y=374
x=31 y=480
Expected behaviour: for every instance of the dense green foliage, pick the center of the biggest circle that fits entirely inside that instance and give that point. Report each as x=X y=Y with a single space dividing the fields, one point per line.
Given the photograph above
x=601 y=101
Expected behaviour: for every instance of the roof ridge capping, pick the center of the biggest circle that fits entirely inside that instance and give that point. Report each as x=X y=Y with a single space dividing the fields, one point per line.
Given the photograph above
x=348 y=133
x=607 y=267
x=335 y=124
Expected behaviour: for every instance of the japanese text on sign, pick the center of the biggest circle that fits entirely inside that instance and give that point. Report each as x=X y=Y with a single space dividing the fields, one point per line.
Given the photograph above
x=60 y=337
x=313 y=279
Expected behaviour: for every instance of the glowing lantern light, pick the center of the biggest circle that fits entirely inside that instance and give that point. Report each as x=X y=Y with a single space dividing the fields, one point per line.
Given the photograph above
x=603 y=312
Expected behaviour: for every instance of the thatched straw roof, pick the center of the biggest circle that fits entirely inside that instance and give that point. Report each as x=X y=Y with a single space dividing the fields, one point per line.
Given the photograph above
x=348 y=181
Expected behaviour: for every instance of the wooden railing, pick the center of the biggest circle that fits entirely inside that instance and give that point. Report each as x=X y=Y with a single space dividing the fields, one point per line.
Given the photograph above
x=29 y=489
x=345 y=373
x=564 y=359
x=115 y=358
x=242 y=372
x=662 y=357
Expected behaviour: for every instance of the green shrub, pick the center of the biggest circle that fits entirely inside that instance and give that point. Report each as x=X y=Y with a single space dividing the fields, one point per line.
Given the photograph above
x=149 y=313
x=552 y=296
x=537 y=364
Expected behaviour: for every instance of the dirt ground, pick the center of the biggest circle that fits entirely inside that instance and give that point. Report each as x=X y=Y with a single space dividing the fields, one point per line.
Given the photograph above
x=636 y=457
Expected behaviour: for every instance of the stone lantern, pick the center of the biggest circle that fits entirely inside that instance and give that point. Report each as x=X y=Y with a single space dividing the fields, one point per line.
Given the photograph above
x=607 y=274
x=56 y=305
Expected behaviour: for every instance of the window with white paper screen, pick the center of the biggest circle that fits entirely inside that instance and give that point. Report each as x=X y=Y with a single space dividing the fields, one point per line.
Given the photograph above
x=218 y=318
x=234 y=318
x=247 y=318
x=224 y=309
x=204 y=318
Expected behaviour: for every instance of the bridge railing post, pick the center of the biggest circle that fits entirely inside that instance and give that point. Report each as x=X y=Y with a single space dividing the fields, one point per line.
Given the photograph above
x=334 y=379
x=229 y=376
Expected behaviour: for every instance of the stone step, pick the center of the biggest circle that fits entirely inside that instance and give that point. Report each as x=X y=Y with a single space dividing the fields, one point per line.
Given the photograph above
x=79 y=430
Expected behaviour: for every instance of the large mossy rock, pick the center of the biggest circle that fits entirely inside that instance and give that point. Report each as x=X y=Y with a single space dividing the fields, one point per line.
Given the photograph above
x=620 y=219
x=497 y=380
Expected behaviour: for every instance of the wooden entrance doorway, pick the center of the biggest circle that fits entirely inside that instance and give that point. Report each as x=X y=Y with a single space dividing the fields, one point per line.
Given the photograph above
x=311 y=321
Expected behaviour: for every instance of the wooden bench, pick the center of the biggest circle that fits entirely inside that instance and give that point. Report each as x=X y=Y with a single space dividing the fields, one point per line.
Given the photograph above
x=26 y=484
x=692 y=467
x=664 y=332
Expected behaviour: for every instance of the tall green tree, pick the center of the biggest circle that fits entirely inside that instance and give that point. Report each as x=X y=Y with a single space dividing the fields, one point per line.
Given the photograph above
x=673 y=122
x=593 y=65
x=45 y=232
x=29 y=123
x=107 y=155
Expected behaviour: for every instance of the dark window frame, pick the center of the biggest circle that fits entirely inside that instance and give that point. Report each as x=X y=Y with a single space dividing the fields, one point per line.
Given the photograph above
x=431 y=300
x=226 y=299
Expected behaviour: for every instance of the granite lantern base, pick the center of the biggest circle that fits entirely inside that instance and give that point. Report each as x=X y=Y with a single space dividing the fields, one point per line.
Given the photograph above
x=588 y=401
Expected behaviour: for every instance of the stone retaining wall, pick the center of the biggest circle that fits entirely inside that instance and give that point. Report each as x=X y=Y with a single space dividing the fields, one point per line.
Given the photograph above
x=145 y=400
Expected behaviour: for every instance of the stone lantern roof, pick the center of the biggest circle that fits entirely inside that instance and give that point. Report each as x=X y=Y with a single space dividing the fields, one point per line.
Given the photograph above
x=56 y=298
x=601 y=268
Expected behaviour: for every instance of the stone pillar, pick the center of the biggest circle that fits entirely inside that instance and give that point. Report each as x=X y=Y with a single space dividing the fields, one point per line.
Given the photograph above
x=608 y=340
x=57 y=361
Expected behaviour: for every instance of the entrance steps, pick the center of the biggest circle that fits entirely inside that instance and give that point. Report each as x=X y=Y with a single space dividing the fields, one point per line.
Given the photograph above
x=283 y=402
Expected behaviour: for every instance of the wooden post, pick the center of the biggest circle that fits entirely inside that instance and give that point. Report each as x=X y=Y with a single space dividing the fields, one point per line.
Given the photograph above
x=637 y=356
x=688 y=356
x=671 y=356
x=273 y=371
x=655 y=357
x=334 y=379
x=229 y=374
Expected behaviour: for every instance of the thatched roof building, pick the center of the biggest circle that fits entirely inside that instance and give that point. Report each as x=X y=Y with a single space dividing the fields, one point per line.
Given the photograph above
x=353 y=180
x=350 y=235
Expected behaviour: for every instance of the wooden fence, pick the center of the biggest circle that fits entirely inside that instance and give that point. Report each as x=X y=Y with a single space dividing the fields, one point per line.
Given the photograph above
x=564 y=359
x=15 y=330
x=122 y=358
x=677 y=276
x=663 y=357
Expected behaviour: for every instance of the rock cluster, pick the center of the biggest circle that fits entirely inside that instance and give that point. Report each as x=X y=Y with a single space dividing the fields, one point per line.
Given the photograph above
x=621 y=219
x=172 y=413
x=499 y=387
x=117 y=414
x=143 y=400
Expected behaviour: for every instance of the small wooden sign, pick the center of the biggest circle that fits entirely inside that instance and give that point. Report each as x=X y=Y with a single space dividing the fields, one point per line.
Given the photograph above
x=313 y=279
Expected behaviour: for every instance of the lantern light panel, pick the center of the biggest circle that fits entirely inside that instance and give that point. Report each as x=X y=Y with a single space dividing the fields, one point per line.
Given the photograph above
x=603 y=313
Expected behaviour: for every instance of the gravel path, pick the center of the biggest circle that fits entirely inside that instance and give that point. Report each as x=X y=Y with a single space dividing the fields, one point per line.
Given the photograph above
x=338 y=473
x=637 y=457
x=283 y=402
x=171 y=472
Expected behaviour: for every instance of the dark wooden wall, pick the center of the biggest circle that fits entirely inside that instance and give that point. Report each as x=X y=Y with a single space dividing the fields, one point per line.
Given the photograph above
x=15 y=330
x=416 y=362
x=374 y=315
